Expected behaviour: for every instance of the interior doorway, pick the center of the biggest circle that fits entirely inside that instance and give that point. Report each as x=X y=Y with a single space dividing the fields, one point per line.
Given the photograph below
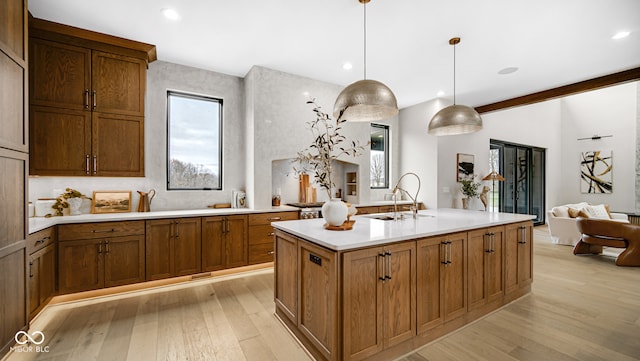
x=523 y=190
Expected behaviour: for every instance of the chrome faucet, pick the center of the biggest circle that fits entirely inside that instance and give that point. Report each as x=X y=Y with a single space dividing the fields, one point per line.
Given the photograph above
x=414 y=207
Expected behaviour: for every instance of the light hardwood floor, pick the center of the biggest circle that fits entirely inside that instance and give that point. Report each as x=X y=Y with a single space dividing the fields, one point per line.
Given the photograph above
x=581 y=308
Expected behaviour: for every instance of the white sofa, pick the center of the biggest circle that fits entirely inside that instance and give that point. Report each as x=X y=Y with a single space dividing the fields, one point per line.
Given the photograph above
x=563 y=228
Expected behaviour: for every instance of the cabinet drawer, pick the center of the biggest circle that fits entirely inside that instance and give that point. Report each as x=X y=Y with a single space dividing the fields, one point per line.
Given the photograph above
x=99 y=230
x=261 y=234
x=267 y=218
x=261 y=253
x=401 y=208
x=367 y=210
x=39 y=240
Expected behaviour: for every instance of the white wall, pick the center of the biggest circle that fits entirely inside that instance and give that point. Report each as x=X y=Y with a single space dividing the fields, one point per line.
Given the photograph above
x=608 y=111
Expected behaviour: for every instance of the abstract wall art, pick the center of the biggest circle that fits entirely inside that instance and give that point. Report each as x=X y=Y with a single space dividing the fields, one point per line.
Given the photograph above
x=596 y=170
x=465 y=167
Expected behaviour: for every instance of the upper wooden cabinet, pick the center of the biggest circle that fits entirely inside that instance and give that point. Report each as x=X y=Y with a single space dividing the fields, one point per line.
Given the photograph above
x=87 y=89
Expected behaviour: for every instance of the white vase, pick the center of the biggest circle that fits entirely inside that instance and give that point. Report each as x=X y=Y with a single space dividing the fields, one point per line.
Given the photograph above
x=334 y=212
x=74 y=206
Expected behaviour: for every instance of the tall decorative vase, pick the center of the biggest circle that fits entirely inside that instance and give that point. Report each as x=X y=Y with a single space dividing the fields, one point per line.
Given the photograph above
x=334 y=212
x=465 y=203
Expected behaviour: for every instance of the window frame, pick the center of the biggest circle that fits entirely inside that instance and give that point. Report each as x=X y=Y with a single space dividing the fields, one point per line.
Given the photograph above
x=386 y=128
x=201 y=97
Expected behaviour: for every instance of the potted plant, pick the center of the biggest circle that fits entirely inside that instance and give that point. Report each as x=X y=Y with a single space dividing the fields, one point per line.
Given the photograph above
x=71 y=199
x=469 y=189
x=327 y=146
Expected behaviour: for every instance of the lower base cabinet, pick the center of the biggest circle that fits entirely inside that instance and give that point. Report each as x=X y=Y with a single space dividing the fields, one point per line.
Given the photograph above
x=224 y=242
x=518 y=252
x=98 y=255
x=173 y=247
x=42 y=278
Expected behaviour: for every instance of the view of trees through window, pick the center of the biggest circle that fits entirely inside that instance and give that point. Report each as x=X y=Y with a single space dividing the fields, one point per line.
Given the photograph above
x=194 y=152
x=379 y=156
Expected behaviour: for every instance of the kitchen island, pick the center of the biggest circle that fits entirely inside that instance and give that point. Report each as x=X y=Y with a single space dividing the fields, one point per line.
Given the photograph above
x=387 y=287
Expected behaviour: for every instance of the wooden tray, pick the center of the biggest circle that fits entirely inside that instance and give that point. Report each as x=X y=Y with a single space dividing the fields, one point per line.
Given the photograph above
x=347 y=225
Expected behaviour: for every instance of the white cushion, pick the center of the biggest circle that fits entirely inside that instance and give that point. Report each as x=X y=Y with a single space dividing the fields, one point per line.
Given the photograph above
x=560 y=211
x=597 y=211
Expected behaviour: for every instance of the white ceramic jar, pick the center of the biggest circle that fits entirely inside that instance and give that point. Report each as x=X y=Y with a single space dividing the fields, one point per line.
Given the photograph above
x=334 y=212
x=43 y=207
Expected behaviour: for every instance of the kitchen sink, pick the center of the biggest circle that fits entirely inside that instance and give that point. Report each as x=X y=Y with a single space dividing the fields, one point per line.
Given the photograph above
x=402 y=215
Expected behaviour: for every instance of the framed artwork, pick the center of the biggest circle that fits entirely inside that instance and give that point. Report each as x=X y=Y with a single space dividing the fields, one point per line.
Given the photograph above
x=111 y=202
x=465 y=167
x=596 y=170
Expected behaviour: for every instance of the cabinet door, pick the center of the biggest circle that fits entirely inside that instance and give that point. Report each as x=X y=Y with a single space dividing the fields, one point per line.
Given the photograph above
x=80 y=265
x=42 y=280
x=518 y=243
x=455 y=277
x=399 y=293
x=60 y=141
x=186 y=248
x=118 y=84
x=59 y=75
x=34 y=284
x=117 y=145
x=362 y=299
x=123 y=260
x=213 y=243
x=318 y=298
x=478 y=247
x=159 y=249
x=286 y=269
x=236 y=241
x=494 y=277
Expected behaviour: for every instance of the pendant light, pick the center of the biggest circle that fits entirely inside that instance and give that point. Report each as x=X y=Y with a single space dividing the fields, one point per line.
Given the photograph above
x=455 y=119
x=365 y=100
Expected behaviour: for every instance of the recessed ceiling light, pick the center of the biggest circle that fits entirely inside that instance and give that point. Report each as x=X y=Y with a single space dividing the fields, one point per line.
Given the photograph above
x=347 y=66
x=170 y=14
x=509 y=70
x=440 y=93
x=620 y=35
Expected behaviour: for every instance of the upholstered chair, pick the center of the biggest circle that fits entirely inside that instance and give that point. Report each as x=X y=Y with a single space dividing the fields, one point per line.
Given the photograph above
x=597 y=233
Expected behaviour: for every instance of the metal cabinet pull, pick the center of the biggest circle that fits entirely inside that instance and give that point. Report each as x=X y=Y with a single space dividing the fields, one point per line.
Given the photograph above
x=30 y=268
x=86 y=98
x=106 y=245
x=86 y=164
x=270 y=234
x=523 y=231
x=388 y=273
x=449 y=251
x=100 y=247
x=444 y=253
x=95 y=100
x=274 y=218
x=271 y=253
x=488 y=245
x=177 y=228
x=493 y=242
x=43 y=240
x=95 y=164
x=103 y=230
x=381 y=267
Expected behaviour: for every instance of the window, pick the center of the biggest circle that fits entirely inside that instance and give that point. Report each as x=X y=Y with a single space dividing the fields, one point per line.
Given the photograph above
x=379 y=156
x=194 y=149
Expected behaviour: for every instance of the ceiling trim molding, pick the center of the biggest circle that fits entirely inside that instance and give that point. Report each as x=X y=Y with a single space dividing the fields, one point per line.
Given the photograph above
x=583 y=86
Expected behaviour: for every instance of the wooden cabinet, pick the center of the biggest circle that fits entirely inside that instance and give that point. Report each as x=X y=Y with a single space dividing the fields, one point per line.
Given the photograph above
x=41 y=247
x=441 y=280
x=81 y=99
x=173 y=247
x=518 y=256
x=368 y=210
x=261 y=245
x=13 y=167
x=286 y=276
x=379 y=298
x=485 y=266
x=97 y=255
x=224 y=242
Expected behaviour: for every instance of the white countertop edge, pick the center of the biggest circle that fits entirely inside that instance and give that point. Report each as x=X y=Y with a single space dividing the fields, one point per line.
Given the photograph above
x=313 y=230
x=39 y=223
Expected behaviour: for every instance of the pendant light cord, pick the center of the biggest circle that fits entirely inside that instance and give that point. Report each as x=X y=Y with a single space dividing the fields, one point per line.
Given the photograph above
x=454 y=74
x=365 y=40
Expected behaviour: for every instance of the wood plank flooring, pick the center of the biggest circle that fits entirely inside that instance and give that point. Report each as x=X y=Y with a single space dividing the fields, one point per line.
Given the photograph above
x=581 y=308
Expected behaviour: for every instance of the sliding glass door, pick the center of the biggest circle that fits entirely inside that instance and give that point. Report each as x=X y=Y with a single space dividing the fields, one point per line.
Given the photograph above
x=523 y=189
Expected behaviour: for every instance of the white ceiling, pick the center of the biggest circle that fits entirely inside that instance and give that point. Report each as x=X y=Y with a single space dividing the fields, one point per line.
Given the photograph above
x=552 y=42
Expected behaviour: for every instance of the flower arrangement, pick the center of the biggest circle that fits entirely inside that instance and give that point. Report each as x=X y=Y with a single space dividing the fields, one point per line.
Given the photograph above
x=62 y=201
x=469 y=188
x=327 y=146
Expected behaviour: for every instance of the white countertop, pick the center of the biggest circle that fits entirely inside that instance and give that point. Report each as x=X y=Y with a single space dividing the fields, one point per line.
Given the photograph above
x=371 y=232
x=40 y=223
